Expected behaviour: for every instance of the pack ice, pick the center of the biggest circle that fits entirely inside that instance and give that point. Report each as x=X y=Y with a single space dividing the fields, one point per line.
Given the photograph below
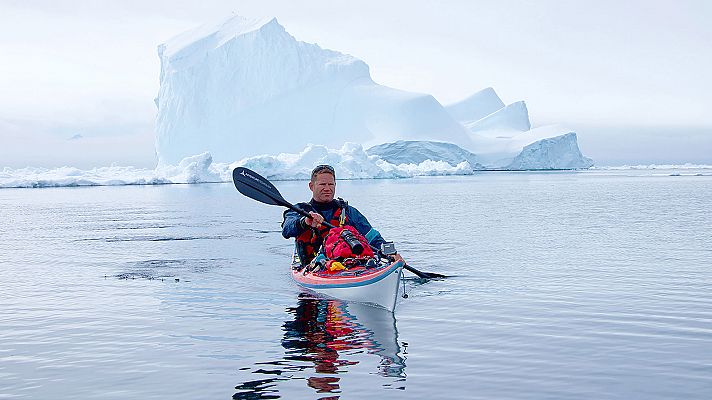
x=246 y=88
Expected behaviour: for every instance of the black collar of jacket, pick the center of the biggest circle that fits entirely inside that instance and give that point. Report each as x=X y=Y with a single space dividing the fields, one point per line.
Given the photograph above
x=332 y=205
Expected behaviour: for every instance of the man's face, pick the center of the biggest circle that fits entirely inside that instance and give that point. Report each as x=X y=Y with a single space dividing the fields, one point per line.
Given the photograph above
x=323 y=187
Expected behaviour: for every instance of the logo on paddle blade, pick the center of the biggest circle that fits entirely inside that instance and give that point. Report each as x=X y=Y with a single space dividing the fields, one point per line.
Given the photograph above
x=254 y=178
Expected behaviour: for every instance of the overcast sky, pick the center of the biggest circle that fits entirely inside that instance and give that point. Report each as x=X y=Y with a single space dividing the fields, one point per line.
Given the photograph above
x=632 y=77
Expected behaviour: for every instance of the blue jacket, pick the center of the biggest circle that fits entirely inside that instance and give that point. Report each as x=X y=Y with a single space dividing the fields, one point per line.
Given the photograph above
x=292 y=225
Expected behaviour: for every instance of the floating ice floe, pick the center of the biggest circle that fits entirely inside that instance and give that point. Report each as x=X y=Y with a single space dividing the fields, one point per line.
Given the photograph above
x=351 y=161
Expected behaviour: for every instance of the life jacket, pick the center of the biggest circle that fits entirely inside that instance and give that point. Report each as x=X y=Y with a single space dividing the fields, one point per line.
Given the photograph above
x=309 y=242
x=337 y=248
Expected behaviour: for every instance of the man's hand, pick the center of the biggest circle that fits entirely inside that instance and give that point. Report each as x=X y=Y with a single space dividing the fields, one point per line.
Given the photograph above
x=314 y=220
x=398 y=257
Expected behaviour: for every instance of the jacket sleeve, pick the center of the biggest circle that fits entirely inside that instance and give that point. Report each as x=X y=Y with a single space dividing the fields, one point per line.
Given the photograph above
x=359 y=221
x=292 y=226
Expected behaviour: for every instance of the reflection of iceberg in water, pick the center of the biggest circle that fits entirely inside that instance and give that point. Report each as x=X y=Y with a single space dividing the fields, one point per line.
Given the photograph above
x=325 y=339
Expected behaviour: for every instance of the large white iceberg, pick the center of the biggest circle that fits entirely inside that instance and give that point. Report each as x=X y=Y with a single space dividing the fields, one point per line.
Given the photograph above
x=247 y=87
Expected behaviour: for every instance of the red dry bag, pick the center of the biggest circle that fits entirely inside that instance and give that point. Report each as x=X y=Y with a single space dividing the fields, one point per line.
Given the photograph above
x=336 y=246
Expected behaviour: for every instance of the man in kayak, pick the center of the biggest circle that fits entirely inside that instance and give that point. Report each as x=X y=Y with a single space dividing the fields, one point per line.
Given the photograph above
x=309 y=232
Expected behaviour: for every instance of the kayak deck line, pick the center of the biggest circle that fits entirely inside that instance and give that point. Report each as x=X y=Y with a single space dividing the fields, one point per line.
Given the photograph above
x=347 y=282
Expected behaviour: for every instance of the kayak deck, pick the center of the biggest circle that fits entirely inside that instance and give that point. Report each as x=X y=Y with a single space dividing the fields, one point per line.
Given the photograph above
x=375 y=286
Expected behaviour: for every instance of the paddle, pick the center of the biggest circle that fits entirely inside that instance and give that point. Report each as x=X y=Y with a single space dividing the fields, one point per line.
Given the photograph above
x=256 y=187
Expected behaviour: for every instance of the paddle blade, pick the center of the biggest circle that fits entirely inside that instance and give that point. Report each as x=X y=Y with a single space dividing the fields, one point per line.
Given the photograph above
x=254 y=186
x=424 y=275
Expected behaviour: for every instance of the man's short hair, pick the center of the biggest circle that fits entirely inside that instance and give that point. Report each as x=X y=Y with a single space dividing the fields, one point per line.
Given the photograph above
x=322 y=169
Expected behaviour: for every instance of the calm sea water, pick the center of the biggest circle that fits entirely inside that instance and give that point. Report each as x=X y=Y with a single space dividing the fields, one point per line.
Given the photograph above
x=593 y=285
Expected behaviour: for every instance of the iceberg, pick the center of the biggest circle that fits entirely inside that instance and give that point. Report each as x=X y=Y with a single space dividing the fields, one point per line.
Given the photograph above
x=247 y=90
x=504 y=122
x=504 y=139
x=560 y=152
x=246 y=87
x=416 y=152
x=195 y=169
x=476 y=106
x=513 y=150
x=351 y=161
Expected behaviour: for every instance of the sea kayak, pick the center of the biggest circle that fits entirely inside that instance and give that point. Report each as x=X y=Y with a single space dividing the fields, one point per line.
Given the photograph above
x=377 y=286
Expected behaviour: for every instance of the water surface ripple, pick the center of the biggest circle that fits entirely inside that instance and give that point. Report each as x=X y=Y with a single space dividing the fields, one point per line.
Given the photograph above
x=564 y=285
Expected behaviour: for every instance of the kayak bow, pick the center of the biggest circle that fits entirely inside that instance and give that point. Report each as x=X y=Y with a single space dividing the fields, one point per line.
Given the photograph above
x=373 y=286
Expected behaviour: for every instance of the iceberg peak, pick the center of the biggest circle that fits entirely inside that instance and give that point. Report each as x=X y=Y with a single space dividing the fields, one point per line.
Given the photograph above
x=213 y=35
x=513 y=117
x=476 y=106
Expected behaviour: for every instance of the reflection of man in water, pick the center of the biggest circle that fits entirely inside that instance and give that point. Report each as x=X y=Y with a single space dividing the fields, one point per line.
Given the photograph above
x=321 y=332
x=317 y=332
x=323 y=328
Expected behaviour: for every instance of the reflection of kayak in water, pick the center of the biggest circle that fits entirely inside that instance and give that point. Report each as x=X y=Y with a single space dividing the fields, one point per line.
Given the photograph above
x=380 y=327
x=329 y=333
x=376 y=286
x=323 y=341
